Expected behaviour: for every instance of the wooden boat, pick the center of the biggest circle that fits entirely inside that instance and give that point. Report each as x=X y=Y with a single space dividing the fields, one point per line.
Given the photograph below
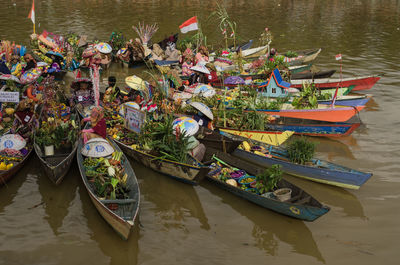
x=317 y=170
x=321 y=129
x=6 y=175
x=301 y=205
x=322 y=113
x=119 y=214
x=311 y=75
x=299 y=68
x=303 y=57
x=255 y=52
x=350 y=101
x=268 y=137
x=218 y=141
x=359 y=83
x=187 y=173
x=57 y=166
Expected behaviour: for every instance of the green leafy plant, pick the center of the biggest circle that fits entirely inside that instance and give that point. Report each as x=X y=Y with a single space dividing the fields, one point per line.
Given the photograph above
x=291 y=54
x=269 y=179
x=301 y=150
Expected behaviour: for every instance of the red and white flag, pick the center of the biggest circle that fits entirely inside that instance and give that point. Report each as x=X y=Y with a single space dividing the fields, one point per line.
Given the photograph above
x=338 y=57
x=32 y=12
x=189 y=25
x=334 y=97
x=224 y=32
x=232 y=34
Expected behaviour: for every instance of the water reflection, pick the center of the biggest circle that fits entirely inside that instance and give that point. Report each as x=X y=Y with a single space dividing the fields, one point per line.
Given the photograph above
x=10 y=189
x=57 y=199
x=270 y=228
x=174 y=202
x=109 y=242
x=335 y=147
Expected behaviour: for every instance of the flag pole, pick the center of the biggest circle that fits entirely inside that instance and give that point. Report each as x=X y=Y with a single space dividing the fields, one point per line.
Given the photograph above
x=34 y=29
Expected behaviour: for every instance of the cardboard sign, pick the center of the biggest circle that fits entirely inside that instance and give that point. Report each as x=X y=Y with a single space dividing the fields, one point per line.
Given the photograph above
x=134 y=119
x=9 y=96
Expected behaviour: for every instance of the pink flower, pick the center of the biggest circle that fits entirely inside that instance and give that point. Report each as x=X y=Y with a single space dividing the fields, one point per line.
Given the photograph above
x=271 y=59
x=266 y=29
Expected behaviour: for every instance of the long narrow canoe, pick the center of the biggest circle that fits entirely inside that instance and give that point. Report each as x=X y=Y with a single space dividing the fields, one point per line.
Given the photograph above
x=255 y=52
x=318 y=171
x=303 y=57
x=299 y=68
x=323 y=113
x=350 y=101
x=187 y=173
x=218 y=141
x=301 y=205
x=267 y=137
x=56 y=166
x=308 y=129
x=119 y=214
x=6 y=175
x=359 y=83
x=311 y=75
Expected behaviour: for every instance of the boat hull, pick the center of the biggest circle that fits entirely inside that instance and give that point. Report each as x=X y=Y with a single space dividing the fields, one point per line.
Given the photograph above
x=267 y=137
x=337 y=114
x=360 y=83
x=338 y=178
x=179 y=171
x=56 y=173
x=347 y=102
x=321 y=130
x=8 y=174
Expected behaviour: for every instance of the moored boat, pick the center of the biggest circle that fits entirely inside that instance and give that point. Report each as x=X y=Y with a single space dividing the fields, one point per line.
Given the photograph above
x=56 y=166
x=187 y=173
x=350 y=101
x=359 y=83
x=320 y=129
x=120 y=214
x=268 y=137
x=6 y=175
x=300 y=205
x=316 y=170
x=322 y=113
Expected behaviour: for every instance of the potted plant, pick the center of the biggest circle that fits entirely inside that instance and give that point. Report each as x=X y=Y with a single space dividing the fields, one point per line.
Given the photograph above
x=301 y=151
x=48 y=143
x=269 y=179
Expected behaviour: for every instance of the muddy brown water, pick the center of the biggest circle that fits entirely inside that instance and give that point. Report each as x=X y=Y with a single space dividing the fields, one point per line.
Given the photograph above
x=180 y=224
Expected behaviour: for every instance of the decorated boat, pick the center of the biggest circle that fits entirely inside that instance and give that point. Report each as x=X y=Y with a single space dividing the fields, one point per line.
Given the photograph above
x=316 y=169
x=359 y=83
x=120 y=213
x=57 y=164
x=299 y=204
x=191 y=173
x=12 y=160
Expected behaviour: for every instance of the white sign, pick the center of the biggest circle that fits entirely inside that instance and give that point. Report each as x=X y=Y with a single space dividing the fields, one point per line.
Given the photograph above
x=134 y=119
x=9 y=96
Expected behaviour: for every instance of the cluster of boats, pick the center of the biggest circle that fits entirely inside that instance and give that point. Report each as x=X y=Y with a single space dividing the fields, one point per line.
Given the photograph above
x=222 y=115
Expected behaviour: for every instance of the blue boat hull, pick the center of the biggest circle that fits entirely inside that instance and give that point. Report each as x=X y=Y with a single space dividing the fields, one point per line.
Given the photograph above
x=345 y=178
x=327 y=130
x=347 y=102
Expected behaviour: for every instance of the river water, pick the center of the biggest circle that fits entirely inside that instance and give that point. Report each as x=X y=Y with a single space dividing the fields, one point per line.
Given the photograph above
x=180 y=224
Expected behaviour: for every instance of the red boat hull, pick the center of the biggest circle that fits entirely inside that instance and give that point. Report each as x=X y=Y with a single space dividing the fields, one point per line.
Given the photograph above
x=359 y=84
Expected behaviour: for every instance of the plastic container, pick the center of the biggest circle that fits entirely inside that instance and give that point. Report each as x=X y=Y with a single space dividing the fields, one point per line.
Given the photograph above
x=247 y=184
x=283 y=194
